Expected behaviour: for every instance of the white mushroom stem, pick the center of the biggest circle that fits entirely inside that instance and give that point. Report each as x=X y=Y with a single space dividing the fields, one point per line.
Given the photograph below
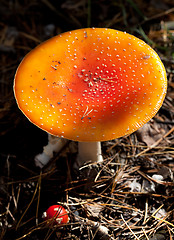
x=89 y=152
x=55 y=144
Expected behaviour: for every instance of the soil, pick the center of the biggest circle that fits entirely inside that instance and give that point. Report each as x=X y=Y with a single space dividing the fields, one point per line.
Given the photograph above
x=129 y=195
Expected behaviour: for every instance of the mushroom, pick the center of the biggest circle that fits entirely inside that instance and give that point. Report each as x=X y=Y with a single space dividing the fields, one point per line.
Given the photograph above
x=90 y=85
x=56 y=214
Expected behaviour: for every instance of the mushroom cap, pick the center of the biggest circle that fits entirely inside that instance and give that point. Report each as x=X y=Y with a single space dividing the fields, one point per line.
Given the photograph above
x=57 y=214
x=91 y=84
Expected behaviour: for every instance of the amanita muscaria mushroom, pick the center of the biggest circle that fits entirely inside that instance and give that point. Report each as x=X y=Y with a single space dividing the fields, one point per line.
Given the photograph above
x=91 y=85
x=56 y=215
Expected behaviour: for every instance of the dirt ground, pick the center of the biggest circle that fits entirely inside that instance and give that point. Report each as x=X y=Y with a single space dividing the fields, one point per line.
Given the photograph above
x=128 y=196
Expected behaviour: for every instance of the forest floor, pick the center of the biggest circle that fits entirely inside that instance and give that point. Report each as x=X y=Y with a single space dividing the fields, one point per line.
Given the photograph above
x=131 y=194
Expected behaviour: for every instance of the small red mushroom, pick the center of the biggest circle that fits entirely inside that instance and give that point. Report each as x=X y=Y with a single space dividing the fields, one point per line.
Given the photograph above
x=56 y=214
x=91 y=85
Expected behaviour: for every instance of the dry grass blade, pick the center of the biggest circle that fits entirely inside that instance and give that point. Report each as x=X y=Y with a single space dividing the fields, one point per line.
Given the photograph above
x=156 y=143
x=163 y=220
x=129 y=228
x=34 y=194
x=154 y=180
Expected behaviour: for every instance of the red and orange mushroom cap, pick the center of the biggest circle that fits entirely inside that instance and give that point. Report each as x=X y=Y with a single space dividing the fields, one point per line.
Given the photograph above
x=56 y=214
x=91 y=84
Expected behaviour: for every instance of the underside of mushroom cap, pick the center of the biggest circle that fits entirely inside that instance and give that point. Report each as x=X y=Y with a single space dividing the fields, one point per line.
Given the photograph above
x=91 y=84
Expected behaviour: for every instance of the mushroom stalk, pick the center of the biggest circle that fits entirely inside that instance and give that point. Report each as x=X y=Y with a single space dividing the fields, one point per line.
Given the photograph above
x=89 y=152
x=55 y=144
